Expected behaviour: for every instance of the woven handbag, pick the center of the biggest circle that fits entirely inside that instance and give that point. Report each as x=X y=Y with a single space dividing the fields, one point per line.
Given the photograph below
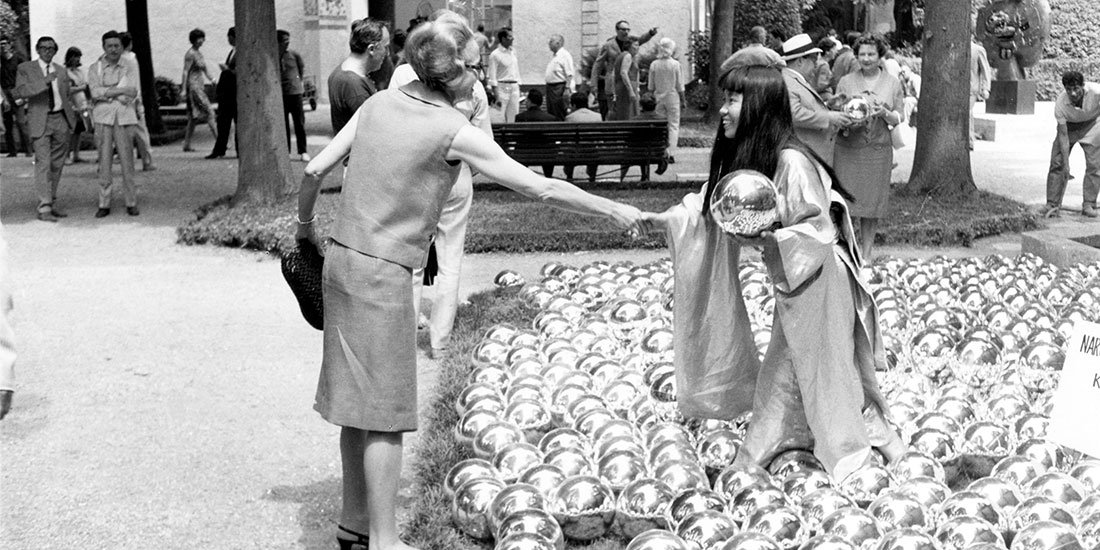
x=302 y=270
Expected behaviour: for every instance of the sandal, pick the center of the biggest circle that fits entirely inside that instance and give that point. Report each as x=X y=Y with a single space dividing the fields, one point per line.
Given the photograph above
x=361 y=541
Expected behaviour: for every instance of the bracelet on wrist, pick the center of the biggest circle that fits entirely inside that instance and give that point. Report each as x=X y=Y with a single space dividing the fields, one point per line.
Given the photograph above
x=307 y=222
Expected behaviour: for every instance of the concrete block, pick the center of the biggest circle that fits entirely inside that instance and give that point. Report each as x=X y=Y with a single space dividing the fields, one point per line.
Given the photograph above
x=985 y=129
x=1064 y=246
x=1011 y=97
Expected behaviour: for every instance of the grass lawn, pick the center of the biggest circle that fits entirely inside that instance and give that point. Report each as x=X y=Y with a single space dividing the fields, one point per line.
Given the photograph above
x=504 y=221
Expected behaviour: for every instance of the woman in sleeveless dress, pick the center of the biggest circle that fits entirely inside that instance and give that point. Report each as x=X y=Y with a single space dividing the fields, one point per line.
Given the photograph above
x=195 y=75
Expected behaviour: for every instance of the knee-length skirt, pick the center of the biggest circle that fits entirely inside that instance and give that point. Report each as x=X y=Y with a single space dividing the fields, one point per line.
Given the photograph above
x=865 y=173
x=368 y=373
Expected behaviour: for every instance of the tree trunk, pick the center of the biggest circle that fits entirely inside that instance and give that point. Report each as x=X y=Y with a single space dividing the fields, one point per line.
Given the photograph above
x=721 y=47
x=137 y=22
x=941 y=162
x=263 y=173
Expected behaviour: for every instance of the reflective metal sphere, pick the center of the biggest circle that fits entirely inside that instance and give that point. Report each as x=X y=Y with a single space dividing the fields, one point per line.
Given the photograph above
x=801 y=483
x=584 y=507
x=986 y=438
x=708 y=529
x=896 y=510
x=517 y=497
x=691 y=501
x=1049 y=454
x=571 y=461
x=1087 y=472
x=963 y=532
x=525 y=541
x=1059 y=487
x=470 y=506
x=514 y=459
x=471 y=468
x=916 y=464
x=750 y=540
x=1040 y=508
x=681 y=475
x=827 y=542
x=563 y=437
x=781 y=523
x=744 y=203
x=643 y=505
x=1003 y=494
x=865 y=484
x=755 y=497
x=619 y=468
x=935 y=443
x=1046 y=535
x=818 y=505
x=718 y=448
x=792 y=461
x=973 y=504
x=532 y=521
x=658 y=539
x=472 y=422
x=907 y=539
x=474 y=392
x=544 y=477
x=1089 y=531
x=856 y=526
x=732 y=479
x=495 y=436
x=1019 y=470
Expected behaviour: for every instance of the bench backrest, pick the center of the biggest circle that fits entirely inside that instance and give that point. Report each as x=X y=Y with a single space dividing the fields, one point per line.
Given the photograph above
x=634 y=141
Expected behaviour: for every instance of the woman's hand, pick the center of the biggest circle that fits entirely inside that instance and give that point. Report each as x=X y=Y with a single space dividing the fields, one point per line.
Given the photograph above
x=629 y=218
x=765 y=238
x=306 y=232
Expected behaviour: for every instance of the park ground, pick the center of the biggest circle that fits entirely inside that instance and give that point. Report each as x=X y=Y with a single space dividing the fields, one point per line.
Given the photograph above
x=164 y=392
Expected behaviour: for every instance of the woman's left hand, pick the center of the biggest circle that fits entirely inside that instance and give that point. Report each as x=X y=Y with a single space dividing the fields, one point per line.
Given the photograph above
x=763 y=239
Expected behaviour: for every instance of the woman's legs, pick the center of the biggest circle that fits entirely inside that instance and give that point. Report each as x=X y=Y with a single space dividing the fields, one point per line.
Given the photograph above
x=370 y=495
x=190 y=129
x=868 y=229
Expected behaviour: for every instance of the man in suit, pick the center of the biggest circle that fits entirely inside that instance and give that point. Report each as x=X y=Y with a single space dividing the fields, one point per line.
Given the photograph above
x=50 y=120
x=845 y=60
x=814 y=124
x=603 y=69
x=114 y=87
x=15 y=116
x=534 y=113
x=227 y=98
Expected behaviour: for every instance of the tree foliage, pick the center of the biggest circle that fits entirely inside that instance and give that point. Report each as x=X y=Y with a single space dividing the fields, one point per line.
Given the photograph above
x=782 y=18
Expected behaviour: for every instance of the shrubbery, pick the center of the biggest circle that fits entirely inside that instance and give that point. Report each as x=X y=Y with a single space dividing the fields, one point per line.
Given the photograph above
x=782 y=18
x=1075 y=32
x=168 y=92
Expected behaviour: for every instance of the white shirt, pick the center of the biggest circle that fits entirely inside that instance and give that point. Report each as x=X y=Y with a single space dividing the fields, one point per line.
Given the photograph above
x=46 y=70
x=503 y=66
x=560 y=69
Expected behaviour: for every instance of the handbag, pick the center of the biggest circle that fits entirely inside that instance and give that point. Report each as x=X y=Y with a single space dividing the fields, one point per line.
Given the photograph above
x=301 y=268
x=897 y=137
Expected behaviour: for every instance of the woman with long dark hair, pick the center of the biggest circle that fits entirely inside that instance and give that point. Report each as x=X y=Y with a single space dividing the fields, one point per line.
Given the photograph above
x=816 y=387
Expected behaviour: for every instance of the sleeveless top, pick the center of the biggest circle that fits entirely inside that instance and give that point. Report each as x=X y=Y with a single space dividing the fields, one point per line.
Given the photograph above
x=398 y=177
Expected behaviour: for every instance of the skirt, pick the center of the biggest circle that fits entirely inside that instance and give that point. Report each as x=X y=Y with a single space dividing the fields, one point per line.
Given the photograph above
x=865 y=173
x=368 y=373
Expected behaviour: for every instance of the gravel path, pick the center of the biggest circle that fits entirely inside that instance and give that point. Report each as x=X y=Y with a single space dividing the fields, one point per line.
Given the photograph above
x=164 y=392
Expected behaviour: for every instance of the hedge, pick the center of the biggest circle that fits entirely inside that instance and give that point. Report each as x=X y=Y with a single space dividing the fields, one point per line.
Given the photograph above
x=1075 y=30
x=782 y=18
x=1048 y=74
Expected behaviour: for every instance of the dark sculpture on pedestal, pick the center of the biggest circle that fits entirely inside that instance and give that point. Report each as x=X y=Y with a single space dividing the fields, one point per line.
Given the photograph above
x=1013 y=33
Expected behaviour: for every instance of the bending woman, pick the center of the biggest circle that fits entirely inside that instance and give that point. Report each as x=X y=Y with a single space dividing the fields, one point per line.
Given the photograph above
x=406 y=147
x=816 y=387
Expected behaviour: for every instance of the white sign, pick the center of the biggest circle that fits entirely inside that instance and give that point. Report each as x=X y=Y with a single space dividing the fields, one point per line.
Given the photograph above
x=1073 y=420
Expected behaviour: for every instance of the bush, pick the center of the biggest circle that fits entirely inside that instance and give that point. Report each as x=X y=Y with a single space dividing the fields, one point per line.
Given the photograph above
x=782 y=18
x=168 y=92
x=699 y=54
x=1047 y=75
x=1075 y=31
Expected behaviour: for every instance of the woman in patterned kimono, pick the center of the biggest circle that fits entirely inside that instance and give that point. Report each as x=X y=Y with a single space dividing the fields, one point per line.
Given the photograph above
x=195 y=75
x=816 y=387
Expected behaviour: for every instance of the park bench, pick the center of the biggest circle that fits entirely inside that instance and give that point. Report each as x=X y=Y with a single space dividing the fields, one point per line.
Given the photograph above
x=628 y=143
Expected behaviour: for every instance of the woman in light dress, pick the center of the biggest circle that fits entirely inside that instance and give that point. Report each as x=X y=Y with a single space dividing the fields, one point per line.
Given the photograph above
x=195 y=75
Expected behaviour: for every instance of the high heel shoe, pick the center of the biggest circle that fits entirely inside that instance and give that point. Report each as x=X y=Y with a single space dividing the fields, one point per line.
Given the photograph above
x=360 y=542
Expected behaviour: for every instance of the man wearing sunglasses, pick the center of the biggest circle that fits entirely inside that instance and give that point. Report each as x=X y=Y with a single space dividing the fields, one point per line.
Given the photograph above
x=604 y=66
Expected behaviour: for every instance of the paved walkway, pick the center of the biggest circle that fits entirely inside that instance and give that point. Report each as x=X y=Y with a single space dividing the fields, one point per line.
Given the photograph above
x=164 y=392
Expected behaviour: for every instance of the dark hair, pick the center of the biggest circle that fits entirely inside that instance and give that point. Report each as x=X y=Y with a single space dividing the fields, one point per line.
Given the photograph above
x=764 y=129
x=620 y=22
x=195 y=35
x=578 y=100
x=398 y=39
x=72 y=53
x=850 y=38
x=1072 y=78
x=364 y=33
x=826 y=44
x=871 y=40
x=109 y=35
x=281 y=33
x=758 y=35
x=481 y=28
x=126 y=38
x=647 y=102
x=42 y=39
x=534 y=97
x=232 y=32
x=504 y=31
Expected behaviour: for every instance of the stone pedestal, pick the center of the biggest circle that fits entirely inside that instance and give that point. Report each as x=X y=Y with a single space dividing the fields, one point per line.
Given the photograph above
x=985 y=129
x=1011 y=97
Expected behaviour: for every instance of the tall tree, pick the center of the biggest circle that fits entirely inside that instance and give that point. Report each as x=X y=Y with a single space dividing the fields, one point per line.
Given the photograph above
x=137 y=22
x=721 y=47
x=941 y=162
x=263 y=173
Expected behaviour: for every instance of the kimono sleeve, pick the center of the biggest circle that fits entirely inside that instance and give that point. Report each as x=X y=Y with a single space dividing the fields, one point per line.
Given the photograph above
x=805 y=241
